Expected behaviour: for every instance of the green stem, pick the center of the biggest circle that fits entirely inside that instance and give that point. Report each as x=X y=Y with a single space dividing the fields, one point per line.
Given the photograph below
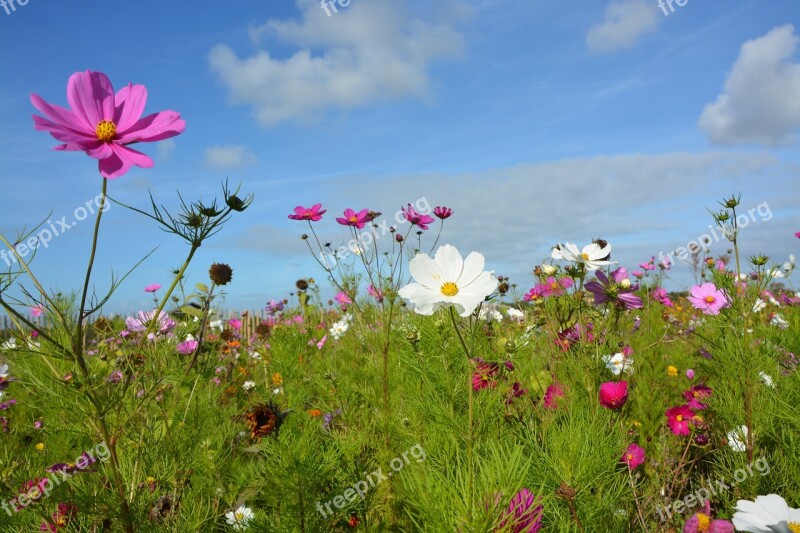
x=470 y=472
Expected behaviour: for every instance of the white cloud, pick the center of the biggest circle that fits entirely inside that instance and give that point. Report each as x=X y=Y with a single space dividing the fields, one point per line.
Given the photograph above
x=761 y=102
x=229 y=157
x=165 y=149
x=625 y=22
x=372 y=52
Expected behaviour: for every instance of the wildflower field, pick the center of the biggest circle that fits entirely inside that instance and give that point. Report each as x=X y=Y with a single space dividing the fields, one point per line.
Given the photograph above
x=403 y=382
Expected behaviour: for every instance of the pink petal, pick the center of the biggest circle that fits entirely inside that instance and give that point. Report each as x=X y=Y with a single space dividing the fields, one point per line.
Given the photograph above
x=91 y=95
x=155 y=127
x=129 y=103
x=60 y=132
x=61 y=116
x=120 y=162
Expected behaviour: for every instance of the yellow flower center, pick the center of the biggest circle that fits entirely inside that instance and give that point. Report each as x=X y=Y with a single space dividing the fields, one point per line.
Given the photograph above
x=703 y=522
x=585 y=257
x=679 y=418
x=630 y=457
x=794 y=527
x=34 y=493
x=353 y=219
x=449 y=289
x=106 y=131
x=239 y=517
x=710 y=299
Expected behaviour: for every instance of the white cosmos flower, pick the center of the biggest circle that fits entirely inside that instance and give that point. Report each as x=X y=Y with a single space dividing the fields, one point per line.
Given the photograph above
x=618 y=363
x=737 y=439
x=3 y=371
x=767 y=514
x=766 y=379
x=448 y=280
x=556 y=252
x=776 y=273
x=759 y=305
x=549 y=270
x=339 y=328
x=10 y=344
x=591 y=256
x=249 y=385
x=239 y=518
x=789 y=265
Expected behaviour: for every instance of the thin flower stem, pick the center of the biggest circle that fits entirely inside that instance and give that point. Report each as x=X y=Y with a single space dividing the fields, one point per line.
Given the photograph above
x=470 y=472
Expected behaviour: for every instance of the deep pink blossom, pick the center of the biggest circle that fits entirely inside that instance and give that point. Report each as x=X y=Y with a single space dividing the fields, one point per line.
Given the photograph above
x=442 y=212
x=485 y=374
x=313 y=213
x=616 y=289
x=695 y=395
x=679 y=418
x=104 y=125
x=417 y=219
x=524 y=513
x=633 y=456
x=356 y=220
x=700 y=522
x=613 y=394
x=152 y=288
x=551 y=396
x=708 y=298
x=554 y=287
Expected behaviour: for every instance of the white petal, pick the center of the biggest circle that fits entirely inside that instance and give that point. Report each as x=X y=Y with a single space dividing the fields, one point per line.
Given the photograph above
x=425 y=300
x=449 y=262
x=473 y=267
x=424 y=270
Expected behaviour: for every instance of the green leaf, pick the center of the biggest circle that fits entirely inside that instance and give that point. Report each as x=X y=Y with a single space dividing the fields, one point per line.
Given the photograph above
x=192 y=311
x=201 y=287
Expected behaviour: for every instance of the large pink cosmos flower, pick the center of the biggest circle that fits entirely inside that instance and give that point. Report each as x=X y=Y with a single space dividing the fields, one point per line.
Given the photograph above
x=103 y=124
x=708 y=298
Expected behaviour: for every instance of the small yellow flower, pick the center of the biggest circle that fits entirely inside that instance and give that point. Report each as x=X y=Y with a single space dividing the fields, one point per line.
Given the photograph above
x=150 y=480
x=636 y=423
x=277 y=379
x=672 y=371
x=40 y=446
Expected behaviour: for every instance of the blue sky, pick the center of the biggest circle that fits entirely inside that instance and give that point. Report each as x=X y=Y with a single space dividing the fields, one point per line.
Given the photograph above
x=536 y=122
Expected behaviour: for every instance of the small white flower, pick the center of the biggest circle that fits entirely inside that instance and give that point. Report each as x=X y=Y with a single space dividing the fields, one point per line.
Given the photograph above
x=515 y=314
x=249 y=385
x=338 y=329
x=766 y=514
x=591 y=256
x=759 y=305
x=447 y=280
x=767 y=380
x=190 y=337
x=789 y=265
x=10 y=344
x=776 y=273
x=490 y=314
x=549 y=270
x=618 y=363
x=3 y=371
x=737 y=439
x=216 y=324
x=277 y=391
x=239 y=518
x=778 y=321
x=255 y=355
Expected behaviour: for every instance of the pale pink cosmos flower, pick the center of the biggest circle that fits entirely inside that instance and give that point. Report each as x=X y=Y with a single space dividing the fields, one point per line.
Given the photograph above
x=103 y=124
x=152 y=288
x=708 y=298
x=37 y=310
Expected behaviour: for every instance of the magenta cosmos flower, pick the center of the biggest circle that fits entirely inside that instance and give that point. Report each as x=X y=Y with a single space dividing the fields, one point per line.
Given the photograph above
x=103 y=124
x=351 y=218
x=613 y=394
x=152 y=288
x=797 y=234
x=678 y=419
x=617 y=289
x=442 y=212
x=696 y=395
x=417 y=219
x=660 y=295
x=313 y=213
x=708 y=298
x=633 y=456
x=554 y=286
x=551 y=396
